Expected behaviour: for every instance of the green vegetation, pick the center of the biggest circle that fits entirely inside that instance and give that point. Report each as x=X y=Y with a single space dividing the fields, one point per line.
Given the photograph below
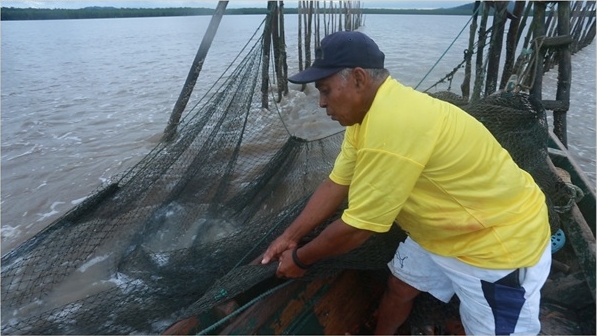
x=11 y=13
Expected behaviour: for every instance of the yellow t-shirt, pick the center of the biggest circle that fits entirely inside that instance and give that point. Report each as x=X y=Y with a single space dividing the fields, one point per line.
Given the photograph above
x=444 y=178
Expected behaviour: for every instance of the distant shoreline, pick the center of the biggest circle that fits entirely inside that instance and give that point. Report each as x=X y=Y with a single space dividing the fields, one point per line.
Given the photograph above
x=13 y=14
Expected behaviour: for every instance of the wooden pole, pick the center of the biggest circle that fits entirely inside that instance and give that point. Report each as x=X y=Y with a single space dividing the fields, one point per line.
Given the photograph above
x=479 y=70
x=548 y=21
x=283 y=54
x=325 y=19
x=346 y=15
x=275 y=31
x=527 y=39
x=587 y=16
x=564 y=74
x=466 y=83
x=300 y=37
x=552 y=53
x=317 y=25
x=495 y=47
x=330 y=25
x=519 y=64
x=511 y=43
x=586 y=38
x=576 y=14
x=340 y=15
x=590 y=34
x=267 y=44
x=193 y=74
x=538 y=34
x=523 y=21
x=308 y=33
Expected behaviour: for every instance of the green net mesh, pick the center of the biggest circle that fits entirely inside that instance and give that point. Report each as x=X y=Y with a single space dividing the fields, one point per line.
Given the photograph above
x=175 y=235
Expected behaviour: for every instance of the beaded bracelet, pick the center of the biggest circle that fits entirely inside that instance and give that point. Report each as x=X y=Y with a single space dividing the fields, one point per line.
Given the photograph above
x=297 y=262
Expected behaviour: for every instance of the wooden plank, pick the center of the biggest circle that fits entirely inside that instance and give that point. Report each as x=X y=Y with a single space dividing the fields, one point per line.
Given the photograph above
x=560 y=157
x=555 y=105
x=350 y=303
x=579 y=234
x=582 y=240
x=580 y=237
x=557 y=41
x=252 y=319
x=336 y=305
x=188 y=326
x=564 y=71
x=570 y=291
x=291 y=315
x=558 y=320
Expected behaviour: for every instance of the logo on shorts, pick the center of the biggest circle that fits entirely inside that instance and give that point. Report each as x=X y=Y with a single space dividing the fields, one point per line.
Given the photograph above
x=401 y=259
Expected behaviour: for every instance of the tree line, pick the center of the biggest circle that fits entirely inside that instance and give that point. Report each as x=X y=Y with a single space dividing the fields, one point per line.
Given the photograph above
x=12 y=13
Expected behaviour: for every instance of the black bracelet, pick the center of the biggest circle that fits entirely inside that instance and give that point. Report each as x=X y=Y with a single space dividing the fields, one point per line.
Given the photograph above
x=297 y=262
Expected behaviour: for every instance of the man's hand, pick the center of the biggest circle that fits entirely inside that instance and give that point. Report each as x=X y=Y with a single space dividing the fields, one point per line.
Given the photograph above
x=277 y=247
x=322 y=204
x=287 y=268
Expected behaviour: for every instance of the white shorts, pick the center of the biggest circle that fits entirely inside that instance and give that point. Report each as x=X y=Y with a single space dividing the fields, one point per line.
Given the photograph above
x=490 y=303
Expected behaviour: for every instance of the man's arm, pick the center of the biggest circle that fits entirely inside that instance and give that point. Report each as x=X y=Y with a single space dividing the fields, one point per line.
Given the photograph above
x=322 y=204
x=338 y=238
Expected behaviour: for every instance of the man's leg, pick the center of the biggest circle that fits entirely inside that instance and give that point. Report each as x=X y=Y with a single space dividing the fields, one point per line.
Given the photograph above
x=395 y=306
x=498 y=301
x=412 y=272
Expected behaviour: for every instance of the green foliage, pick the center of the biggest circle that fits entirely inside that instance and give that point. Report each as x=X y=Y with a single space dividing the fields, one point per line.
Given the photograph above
x=11 y=13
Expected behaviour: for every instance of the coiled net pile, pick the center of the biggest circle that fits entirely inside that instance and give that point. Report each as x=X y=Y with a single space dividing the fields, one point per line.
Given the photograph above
x=175 y=234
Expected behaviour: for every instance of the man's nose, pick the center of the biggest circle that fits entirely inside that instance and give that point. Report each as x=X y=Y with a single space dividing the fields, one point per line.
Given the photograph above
x=322 y=102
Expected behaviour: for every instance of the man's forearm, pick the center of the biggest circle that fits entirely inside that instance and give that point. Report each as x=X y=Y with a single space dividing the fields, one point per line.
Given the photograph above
x=338 y=238
x=322 y=204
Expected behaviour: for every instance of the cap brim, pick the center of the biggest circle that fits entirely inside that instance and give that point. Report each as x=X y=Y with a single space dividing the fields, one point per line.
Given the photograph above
x=312 y=74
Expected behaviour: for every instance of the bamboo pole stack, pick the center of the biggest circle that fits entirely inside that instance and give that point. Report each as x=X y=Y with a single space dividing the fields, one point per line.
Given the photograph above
x=273 y=39
x=336 y=16
x=558 y=30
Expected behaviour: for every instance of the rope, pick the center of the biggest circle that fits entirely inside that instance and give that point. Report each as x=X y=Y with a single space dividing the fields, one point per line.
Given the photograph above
x=450 y=76
x=538 y=44
x=577 y=195
x=244 y=307
x=450 y=46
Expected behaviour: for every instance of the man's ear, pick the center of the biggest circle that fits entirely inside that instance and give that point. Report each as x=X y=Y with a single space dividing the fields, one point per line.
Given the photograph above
x=360 y=77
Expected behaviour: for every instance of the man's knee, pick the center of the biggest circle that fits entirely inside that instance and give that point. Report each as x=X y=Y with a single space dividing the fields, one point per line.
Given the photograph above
x=400 y=290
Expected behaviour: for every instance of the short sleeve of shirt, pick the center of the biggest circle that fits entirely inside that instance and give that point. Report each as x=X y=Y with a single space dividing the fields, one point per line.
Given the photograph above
x=381 y=184
x=345 y=161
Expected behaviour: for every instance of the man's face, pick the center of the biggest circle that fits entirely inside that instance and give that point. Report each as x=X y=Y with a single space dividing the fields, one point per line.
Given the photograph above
x=339 y=97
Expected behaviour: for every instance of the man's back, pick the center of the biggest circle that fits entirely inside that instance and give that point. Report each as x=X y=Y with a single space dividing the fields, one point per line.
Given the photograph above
x=454 y=188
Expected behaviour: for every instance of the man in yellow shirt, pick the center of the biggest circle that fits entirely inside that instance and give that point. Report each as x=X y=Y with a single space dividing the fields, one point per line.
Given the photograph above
x=477 y=224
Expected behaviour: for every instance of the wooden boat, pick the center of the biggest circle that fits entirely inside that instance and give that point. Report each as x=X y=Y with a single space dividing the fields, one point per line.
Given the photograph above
x=347 y=302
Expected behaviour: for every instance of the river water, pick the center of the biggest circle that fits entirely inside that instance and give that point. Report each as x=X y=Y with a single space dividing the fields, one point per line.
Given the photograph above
x=84 y=100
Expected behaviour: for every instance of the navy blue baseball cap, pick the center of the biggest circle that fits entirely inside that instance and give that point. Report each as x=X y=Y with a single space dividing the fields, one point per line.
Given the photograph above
x=340 y=50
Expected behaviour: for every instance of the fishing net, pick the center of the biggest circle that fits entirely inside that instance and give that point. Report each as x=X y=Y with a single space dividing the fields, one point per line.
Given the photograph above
x=176 y=234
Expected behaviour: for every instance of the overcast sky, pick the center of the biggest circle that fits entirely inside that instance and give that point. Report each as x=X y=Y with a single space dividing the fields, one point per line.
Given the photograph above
x=212 y=4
